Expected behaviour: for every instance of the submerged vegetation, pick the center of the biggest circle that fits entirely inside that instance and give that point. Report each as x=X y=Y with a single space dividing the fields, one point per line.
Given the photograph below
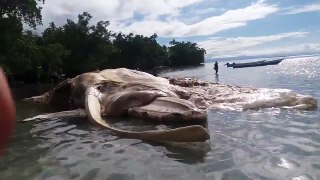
x=78 y=47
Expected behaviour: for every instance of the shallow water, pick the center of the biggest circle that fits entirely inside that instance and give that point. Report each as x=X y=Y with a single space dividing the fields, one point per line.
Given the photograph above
x=262 y=144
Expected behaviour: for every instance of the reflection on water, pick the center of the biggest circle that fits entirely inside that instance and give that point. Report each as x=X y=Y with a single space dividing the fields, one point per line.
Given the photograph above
x=217 y=78
x=262 y=144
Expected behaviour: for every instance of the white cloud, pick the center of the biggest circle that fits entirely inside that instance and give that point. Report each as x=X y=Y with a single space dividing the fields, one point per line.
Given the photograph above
x=206 y=10
x=175 y=28
x=122 y=15
x=303 y=9
x=306 y=48
x=113 y=10
x=197 y=14
x=239 y=46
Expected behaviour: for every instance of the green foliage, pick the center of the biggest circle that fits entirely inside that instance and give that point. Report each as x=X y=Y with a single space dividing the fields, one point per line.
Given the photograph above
x=185 y=53
x=16 y=51
x=53 y=56
x=78 y=47
x=27 y=10
x=87 y=47
x=10 y=32
x=137 y=52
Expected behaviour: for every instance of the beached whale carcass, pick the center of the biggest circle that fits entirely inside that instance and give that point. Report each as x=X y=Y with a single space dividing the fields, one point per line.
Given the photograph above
x=118 y=92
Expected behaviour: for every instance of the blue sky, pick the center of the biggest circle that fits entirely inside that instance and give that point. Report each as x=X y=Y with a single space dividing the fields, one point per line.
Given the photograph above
x=225 y=28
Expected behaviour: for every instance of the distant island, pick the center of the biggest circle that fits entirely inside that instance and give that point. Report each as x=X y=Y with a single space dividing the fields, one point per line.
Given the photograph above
x=78 y=47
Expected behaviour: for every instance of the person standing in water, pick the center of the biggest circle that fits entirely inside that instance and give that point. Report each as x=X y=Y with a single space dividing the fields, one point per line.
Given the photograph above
x=216 y=67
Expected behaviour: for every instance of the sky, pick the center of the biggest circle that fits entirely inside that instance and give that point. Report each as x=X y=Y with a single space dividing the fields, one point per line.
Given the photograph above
x=224 y=28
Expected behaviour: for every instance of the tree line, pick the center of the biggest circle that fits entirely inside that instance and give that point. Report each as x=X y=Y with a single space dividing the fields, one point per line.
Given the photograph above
x=77 y=46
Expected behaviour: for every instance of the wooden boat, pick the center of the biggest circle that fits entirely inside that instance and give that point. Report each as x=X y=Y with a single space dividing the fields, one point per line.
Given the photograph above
x=248 y=64
x=254 y=64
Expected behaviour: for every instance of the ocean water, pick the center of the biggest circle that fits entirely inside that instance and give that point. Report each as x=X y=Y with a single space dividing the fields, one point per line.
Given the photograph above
x=266 y=143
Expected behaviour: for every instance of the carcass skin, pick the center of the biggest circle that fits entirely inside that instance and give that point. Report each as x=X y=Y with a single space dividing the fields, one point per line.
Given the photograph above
x=120 y=92
x=126 y=92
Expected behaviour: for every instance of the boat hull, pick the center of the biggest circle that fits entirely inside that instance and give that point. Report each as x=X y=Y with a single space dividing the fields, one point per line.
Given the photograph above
x=255 y=64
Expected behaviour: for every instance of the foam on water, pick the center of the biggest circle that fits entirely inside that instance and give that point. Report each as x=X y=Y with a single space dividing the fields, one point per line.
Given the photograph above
x=227 y=97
